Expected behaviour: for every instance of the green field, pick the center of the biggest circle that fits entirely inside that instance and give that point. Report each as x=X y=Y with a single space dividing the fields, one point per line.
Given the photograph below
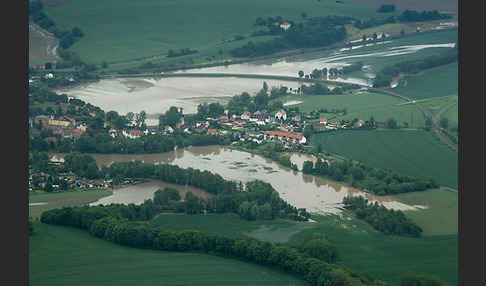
x=441 y=215
x=124 y=30
x=362 y=106
x=414 y=153
x=68 y=256
x=62 y=199
x=437 y=82
x=233 y=226
x=361 y=248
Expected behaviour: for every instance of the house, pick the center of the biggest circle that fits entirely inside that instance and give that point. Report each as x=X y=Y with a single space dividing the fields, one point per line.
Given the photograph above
x=285 y=136
x=259 y=116
x=42 y=120
x=168 y=129
x=285 y=25
x=50 y=139
x=212 y=131
x=223 y=118
x=245 y=115
x=281 y=115
x=48 y=76
x=358 y=123
x=82 y=127
x=72 y=133
x=58 y=123
x=132 y=134
x=323 y=120
x=56 y=161
x=113 y=133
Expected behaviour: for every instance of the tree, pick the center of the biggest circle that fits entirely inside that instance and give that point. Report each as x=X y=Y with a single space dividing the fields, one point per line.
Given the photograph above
x=392 y=123
x=307 y=167
x=304 y=15
x=364 y=38
x=301 y=74
x=171 y=117
x=265 y=86
x=444 y=123
x=140 y=119
x=402 y=32
x=129 y=116
x=428 y=124
x=421 y=280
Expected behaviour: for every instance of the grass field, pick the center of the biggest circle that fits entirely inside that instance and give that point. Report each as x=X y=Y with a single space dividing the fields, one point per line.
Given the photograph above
x=124 y=30
x=68 y=256
x=41 y=45
x=362 y=106
x=414 y=153
x=362 y=248
x=441 y=215
x=441 y=5
x=233 y=226
x=437 y=82
x=62 y=199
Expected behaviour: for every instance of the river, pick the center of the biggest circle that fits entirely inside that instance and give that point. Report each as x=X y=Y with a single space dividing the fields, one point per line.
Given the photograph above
x=303 y=191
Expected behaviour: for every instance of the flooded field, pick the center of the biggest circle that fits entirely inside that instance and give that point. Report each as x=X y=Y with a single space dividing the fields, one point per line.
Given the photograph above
x=136 y=194
x=155 y=96
x=303 y=191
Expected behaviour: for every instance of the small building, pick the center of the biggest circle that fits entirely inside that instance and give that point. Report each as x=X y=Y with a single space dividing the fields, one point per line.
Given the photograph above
x=359 y=123
x=281 y=115
x=245 y=115
x=285 y=137
x=212 y=131
x=323 y=120
x=285 y=26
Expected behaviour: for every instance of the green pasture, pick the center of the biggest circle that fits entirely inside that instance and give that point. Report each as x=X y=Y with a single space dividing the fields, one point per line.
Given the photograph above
x=414 y=153
x=437 y=82
x=231 y=225
x=362 y=248
x=68 y=256
x=124 y=30
x=441 y=214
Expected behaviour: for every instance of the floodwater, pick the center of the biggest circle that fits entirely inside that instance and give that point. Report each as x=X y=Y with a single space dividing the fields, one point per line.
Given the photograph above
x=136 y=194
x=303 y=191
x=155 y=96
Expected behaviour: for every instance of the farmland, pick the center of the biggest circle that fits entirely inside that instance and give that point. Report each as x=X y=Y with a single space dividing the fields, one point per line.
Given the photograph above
x=414 y=153
x=441 y=215
x=437 y=82
x=67 y=256
x=128 y=30
x=42 y=45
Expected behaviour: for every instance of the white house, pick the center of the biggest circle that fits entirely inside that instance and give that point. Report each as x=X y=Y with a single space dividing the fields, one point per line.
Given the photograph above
x=245 y=115
x=285 y=25
x=281 y=115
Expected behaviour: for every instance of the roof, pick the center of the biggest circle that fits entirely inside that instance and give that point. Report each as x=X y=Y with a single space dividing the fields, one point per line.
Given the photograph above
x=212 y=131
x=135 y=132
x=284 y=134
x=50 y=139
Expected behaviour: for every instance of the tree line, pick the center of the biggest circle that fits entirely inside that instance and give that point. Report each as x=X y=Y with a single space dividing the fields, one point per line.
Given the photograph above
x=313 y=261
x=405 y=16
x=375 y=180
x=313 y=32
x=382 y=219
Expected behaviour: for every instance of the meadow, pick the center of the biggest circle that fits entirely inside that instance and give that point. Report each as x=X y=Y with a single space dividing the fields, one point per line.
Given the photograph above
x=68 y=256
x=437 y=82
x=125 y=30
x=442 y=212
x=278 y=230
x=414 y=153
x=362 y=106
x=62 y=199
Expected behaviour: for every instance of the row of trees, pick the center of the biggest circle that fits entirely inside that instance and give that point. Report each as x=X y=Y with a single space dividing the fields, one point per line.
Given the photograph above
x=181 y=52
x=381 y=218
x=375 y=180
x=109 y=223
x=405 y=16
x=385 y=76
x=314 y=32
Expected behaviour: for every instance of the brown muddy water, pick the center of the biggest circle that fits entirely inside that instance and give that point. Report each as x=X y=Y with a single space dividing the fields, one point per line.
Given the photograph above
x=136 y=194
x=317 y=195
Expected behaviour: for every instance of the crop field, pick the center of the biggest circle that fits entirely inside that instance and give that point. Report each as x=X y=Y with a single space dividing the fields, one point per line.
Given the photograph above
x=233 y=226
x=437 y=82
x=63 y=199
x=361 y=248
x=442 y=212
x=124 y=30
x=362 y=106
x=68 y=256
x=414 y=153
